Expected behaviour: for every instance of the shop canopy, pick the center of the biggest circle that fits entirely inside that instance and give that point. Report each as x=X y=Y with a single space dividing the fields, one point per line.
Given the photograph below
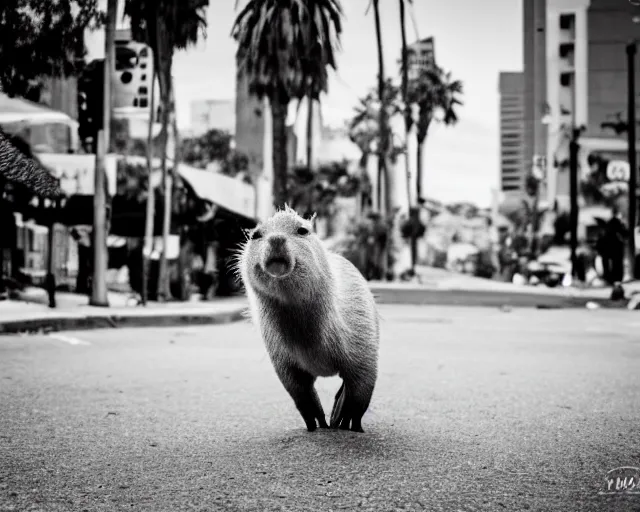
x=47 y=130
x=229 y=193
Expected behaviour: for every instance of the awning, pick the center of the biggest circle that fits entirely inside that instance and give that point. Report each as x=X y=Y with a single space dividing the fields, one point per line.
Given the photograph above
x=19 y=109
x=229 y=193
x=49 y=129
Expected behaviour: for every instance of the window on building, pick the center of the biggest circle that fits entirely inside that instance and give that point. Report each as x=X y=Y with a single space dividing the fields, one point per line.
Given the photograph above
x=567 y=21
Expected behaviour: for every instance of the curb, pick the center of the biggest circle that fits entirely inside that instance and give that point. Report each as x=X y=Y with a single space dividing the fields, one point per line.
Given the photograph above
x=115 y=321
x=485 y=298
x=383 y=295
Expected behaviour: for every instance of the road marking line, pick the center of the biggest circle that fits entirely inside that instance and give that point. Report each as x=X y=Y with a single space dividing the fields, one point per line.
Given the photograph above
x=68 y=339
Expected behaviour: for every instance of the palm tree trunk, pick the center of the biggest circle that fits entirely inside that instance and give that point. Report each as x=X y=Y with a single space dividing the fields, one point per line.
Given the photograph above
x=310 y=133
x=99 y=296
x=405 y=98
x=164 y=59
x=383 y=171
x=419 y=170
x=382 y=143
x=150 y=216
x=182 y=266
x=280 y=163
x=407 y=129
x=421 y=138
x=163 y=284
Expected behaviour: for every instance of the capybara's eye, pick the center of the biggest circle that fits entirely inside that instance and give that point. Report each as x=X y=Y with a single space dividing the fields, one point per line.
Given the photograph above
x=303 y=231
x=256 y=234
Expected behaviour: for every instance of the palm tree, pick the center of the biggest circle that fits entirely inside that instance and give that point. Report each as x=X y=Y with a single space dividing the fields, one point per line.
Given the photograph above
x=364 y=131
x=284 y=49
x=408 y=118
x=364 y=127
x=383 y=126
x=166 y=26
x=437 y=97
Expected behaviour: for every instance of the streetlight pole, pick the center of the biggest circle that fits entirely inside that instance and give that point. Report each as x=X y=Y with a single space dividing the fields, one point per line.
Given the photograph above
x=99 y=296
x=633 y=168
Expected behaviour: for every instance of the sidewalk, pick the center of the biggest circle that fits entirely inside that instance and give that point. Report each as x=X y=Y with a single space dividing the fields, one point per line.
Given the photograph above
x=441 y=287
x=31 y=313
x=436 y=287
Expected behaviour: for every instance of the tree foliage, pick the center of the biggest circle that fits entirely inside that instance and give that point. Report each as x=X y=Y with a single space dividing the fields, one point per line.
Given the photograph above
x=314 y=191
x=183 y=21
x=364 y=127
x=216 y=146
x=284 y=50
x=42 y=38
x=285 y=47
x=437 y=96
x=213 y=146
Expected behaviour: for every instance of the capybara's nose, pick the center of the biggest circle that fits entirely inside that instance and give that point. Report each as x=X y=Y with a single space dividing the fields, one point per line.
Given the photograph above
x=277 y=242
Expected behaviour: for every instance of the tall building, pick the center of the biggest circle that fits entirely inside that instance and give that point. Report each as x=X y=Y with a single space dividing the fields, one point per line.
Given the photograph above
x=575 y=74
x=534 y=83
x=420 y=56
x=213 y=114
x=512 y=132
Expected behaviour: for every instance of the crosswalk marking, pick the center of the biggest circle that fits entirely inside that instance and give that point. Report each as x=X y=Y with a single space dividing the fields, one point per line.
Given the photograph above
x=68 y=339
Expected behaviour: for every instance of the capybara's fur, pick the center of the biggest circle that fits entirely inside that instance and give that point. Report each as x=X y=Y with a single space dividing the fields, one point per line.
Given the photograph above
x=316 y=315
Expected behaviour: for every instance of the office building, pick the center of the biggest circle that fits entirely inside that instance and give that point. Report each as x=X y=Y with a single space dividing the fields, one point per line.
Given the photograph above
x=420 y=56
x=512 y=132
x=213 y=114
x=575 y=75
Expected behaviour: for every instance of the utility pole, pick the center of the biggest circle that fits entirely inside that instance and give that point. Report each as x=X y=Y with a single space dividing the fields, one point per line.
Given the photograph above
x=633 y=167
x=99 y=283
x=574 y=148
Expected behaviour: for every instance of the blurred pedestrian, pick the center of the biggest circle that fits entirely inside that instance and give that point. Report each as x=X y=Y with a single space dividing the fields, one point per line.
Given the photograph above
x=611 y=248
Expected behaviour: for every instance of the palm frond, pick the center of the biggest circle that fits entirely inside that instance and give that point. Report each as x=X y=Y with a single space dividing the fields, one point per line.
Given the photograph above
x=285 y=47
x=183 y=21
x=18 y=166
x=434 y=91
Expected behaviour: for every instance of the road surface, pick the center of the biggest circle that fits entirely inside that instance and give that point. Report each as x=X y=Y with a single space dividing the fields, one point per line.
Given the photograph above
x=475 y=409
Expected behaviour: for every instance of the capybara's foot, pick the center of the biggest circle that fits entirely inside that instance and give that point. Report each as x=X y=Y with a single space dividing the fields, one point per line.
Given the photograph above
x=313 y=420
x=356 y=426
x=347 y=412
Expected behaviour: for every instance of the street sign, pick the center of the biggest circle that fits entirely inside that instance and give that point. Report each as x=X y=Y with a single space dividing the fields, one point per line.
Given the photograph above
x=618 y=170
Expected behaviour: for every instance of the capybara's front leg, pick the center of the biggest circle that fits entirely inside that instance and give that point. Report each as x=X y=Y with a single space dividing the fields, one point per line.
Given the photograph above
x=300 y=385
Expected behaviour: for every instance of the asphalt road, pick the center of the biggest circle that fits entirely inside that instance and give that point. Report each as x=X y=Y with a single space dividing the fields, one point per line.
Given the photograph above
x=475 y=409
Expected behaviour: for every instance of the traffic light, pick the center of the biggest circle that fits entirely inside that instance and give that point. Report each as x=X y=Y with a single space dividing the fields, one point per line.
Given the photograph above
x=91 y=103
